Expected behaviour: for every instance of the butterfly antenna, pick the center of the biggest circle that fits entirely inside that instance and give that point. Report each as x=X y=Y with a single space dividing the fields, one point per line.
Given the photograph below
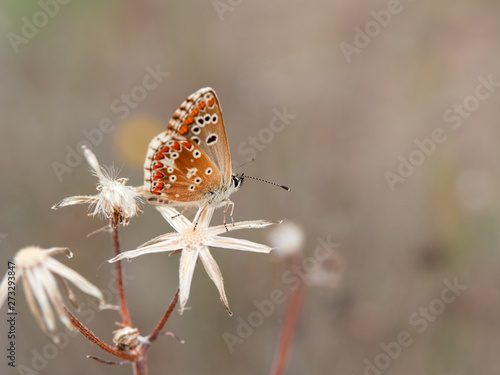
x=269 y=182
x=245 y=163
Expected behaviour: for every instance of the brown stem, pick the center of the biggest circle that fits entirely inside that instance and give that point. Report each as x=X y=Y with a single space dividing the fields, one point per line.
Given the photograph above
x=289 y=323
x=141 y=367
x=100 y=360
x=152 y=337
x=119 y=278
x=96 y=340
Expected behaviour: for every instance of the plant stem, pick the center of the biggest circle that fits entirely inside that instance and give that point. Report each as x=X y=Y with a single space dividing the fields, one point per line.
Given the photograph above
x=152 y=337
x=140 y=367
x=96 y=340
x=289 y=323
x=119 y=278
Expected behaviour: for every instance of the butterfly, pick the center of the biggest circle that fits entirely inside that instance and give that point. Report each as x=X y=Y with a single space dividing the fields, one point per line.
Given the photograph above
x=189 y=164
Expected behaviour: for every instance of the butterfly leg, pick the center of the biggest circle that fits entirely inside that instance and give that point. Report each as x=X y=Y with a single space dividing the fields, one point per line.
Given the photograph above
x=180 y=213
x=175 y=252
x=204 y=207
x=228 y=202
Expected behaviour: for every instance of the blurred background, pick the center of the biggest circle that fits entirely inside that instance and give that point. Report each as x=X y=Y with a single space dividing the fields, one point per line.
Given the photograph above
x=389 y=143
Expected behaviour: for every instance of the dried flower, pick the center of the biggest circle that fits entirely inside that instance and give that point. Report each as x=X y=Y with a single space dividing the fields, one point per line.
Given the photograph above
x=115 y=200
x=126 y=338
x=38 y=271
x=288 y=239
x=194 y=238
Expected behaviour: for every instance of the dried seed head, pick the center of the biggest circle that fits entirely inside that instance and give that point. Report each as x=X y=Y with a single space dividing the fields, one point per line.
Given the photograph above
x=288 y=239
x=114 y=201
x=126 y=338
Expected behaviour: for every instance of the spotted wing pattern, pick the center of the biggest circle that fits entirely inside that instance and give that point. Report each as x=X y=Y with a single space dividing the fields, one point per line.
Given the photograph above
x=199 y=119
x=190 y=162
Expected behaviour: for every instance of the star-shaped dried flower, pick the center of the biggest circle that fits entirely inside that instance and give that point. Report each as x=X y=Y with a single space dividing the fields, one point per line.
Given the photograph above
x=115 y=200
x=39 y=271
x=194 y=238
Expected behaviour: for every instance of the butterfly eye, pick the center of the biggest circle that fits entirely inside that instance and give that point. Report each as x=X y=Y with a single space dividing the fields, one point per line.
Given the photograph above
x=208 y=171
x=196 y=154
x=237 y=181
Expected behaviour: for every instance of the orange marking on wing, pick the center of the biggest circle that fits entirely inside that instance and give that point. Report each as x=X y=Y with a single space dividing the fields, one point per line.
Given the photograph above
x=176 y=146
x=157 y=165
x=159 y=156
x=158 y=188
x=194 y=112
x=211 y=101
x=158 y=175
x=164 y=150
x=201 y=105
x=183 y=130
x=187 y=145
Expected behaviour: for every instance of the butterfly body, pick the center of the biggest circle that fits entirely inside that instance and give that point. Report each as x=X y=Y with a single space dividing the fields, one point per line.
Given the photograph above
x=189 y=164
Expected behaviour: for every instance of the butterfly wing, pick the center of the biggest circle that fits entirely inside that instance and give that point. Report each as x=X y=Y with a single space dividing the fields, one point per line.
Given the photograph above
x=199 y=120
x=177 y=171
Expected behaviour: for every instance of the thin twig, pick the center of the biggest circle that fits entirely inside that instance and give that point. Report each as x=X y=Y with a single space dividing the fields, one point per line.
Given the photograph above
x=171 y=334
x=289 y=323
x=100 y=360
x=152 y=337
x=96 y=340
x=119 y=278
x=140 y=367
